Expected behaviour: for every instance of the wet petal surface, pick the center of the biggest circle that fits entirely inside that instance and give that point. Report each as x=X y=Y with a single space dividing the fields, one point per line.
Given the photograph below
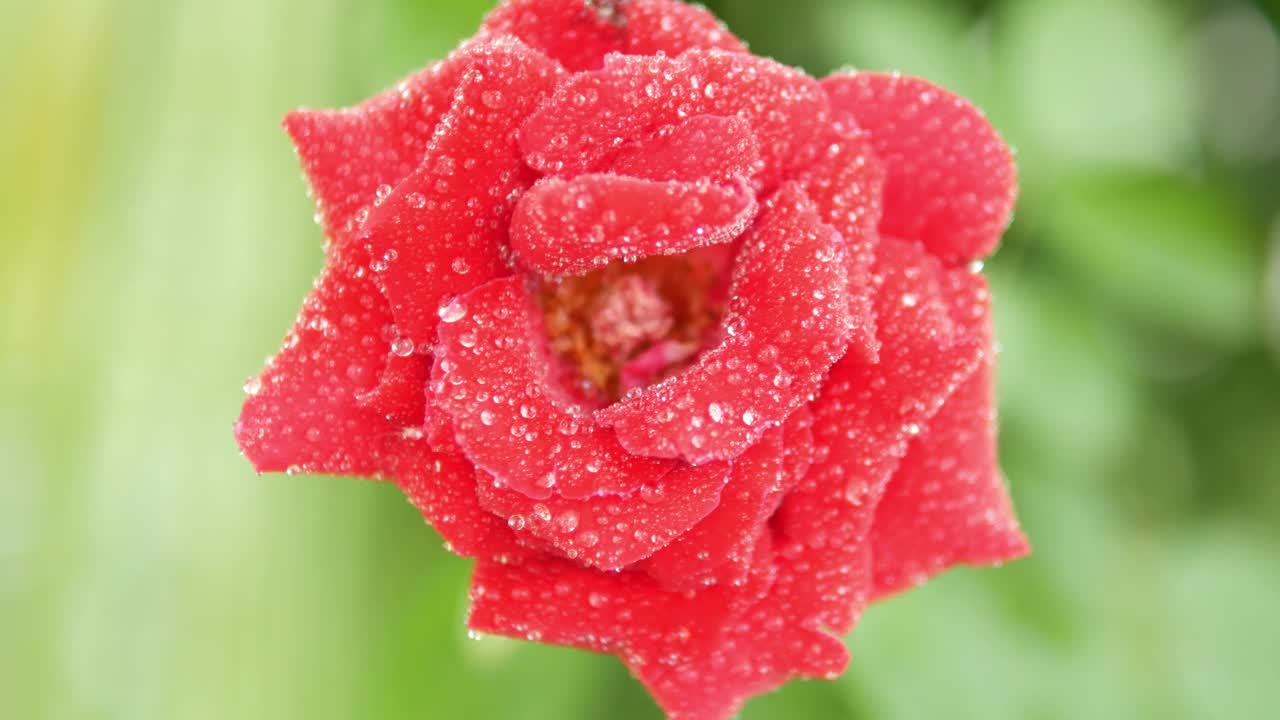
x=611 y=532
x=704 y=147
x=441 y=231
x=947 y=503
x=304 y=412
x=579 y=35
x=493 y=377
x=951 y=178
x=846 y=184
x=786 y=324
x=349 y=154
x=569 y=227
x=594 y=114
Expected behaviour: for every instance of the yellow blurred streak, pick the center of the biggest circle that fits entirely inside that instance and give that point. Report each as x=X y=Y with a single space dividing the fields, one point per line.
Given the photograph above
x=54 y=96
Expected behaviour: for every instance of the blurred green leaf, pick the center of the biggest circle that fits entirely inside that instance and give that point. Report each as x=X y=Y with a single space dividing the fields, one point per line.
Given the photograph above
x=1171 y=252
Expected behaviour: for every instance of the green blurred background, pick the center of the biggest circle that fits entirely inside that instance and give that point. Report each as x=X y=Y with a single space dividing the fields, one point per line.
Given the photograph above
x=155 y=240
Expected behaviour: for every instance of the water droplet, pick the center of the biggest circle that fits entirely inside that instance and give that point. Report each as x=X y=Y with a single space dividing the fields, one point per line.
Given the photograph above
x=716 y=412
x=588 y=539
x=452 y=311
x=253 y=386
x=568 y=521
x=460 y=266
x=402 y=346
x=748 y=418
x=516 y=522
x=487 y=417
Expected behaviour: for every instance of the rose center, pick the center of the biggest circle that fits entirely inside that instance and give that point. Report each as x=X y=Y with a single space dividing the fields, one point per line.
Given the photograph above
x=629 y=325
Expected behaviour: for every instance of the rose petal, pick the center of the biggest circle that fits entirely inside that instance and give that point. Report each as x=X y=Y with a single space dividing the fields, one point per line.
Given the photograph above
x=593 y=114
x=579 y=36
x=703 y=147
x=349 y=154
x=846 y=183
x=303 y=413
x=493 y=376
x=440 y=232
x=400 y=395
x=443 y=488
x=612 y=532
x=571 y=227
x=797 y=441
x=786 y=324
x=866 y=415
x=700 y=654
x=947 y=503
x=952 y=181
x=719 y=549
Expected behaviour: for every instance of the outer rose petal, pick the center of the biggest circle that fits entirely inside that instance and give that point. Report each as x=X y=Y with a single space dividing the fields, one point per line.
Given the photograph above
x=786 y=324
x=348 y=154
x=700 y=654
x=304 y=412
x=439 y=233
x=845 y=184
x=579 y=36
x=594 y=114
x=797 y=441
x=612 y=532
x=719 y=549
x=399 y=396
x=947 y=503
x=443 y=488
x=952 y=181
x=867 y=414
x=703 y=147
x=493 y=376
x=571 y=227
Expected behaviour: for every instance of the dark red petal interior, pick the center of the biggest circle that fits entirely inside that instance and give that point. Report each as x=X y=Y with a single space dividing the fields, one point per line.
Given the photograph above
x=569 y=227
x=952 y=181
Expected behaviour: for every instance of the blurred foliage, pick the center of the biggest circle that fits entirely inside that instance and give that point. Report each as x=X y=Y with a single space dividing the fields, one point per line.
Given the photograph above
x=155 y=239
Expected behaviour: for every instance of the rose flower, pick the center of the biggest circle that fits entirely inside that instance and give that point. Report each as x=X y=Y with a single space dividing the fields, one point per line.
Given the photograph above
x=689 y=350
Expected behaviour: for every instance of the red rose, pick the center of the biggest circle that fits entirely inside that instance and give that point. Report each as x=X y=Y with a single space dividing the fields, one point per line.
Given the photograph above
x=687 y=349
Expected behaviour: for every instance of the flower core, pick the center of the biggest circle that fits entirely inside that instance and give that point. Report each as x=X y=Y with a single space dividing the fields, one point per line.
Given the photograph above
x=631 y=324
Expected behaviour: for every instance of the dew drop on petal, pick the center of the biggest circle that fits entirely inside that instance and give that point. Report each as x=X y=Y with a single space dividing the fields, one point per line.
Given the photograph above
x=453 y=311
x=253 y=386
